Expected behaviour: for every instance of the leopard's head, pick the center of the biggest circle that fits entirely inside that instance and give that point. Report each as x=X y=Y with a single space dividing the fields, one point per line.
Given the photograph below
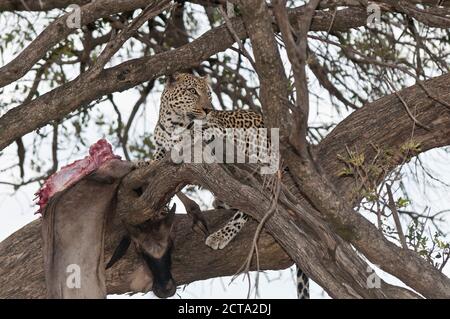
x=187 y=95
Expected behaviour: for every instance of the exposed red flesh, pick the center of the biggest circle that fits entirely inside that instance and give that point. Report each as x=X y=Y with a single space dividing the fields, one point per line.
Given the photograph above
x=69 y=175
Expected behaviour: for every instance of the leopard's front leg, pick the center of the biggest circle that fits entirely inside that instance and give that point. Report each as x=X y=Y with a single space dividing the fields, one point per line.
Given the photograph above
x=159 y=155
x=141 y=163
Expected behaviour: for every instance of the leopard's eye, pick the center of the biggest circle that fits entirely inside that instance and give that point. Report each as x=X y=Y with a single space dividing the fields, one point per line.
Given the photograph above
x=192 y=90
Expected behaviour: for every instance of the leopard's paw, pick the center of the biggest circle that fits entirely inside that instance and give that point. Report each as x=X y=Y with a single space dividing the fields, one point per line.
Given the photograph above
x=220 y=238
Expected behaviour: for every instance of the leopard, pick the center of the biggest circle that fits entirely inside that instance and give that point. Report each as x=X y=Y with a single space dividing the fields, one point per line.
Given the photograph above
x=187 y=98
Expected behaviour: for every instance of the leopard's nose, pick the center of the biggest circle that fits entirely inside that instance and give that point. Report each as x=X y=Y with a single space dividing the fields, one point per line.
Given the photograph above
x=202 y=113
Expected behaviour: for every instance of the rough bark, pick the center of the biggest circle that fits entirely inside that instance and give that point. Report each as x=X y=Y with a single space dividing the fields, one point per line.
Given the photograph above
x=385 y=124
x=43 y=5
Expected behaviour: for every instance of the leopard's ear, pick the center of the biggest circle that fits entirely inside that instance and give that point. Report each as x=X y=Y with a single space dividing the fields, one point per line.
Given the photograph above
x=207 y=79
x=179 y=75
x=171 y=79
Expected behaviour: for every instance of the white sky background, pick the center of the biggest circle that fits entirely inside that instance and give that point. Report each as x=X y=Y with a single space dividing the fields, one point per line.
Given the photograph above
x=16 y=208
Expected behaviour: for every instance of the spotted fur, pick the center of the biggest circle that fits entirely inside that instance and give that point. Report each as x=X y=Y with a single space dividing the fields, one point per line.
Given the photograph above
x=302 y=285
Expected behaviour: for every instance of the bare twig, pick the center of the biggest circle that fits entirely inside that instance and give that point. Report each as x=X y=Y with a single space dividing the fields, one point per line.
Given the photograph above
x=415 y=120
x=21 y=156
x=408 y=111
x=116 y=42
x=199 y=224
x=236 y=37
x=54 y=149
x=321 y=72
x=395 y=215
x=297 y=53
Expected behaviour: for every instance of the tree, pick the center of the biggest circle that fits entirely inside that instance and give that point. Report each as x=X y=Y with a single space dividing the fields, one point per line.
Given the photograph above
x=385 y=62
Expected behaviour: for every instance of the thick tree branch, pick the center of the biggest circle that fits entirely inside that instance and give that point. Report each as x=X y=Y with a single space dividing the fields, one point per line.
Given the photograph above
x=430 y=17
x=320 y=191
x=385 y=124
x=59 y=102
x=297 y=50
x=46 y=5
x=59 y=30
x=42 y=5
x=257 y=23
